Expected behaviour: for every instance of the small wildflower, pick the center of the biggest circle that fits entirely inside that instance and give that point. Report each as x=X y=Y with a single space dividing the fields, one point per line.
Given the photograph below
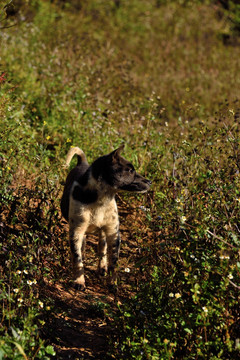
x=178 y=200
x=16 y=290
x=166 y=123
x=29 y=282
x=34 y=281
x=166 y=341
x=69 y=140
x=224 y=257
x=25 y=272
x=171 y=295
x=44 y=123
x=143 y=208
x=20 y=300
x=18 y=272
x=205 y=309
x=48 y=137
x=186 y=273
x=232 y=112
x=230 y=276
x=127 y=270
x=183 y=219
x=40 y=304
x=177 y=295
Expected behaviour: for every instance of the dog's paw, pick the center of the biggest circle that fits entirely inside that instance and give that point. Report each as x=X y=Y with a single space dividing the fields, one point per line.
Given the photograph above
x=113 y=288
x=102 y=271
x=79 y=286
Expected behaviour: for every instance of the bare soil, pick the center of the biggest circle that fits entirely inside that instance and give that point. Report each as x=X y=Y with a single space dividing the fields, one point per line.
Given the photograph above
x=81 y=322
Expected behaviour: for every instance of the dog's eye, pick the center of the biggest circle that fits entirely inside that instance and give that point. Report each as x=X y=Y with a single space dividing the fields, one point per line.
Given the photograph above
x=130 y=170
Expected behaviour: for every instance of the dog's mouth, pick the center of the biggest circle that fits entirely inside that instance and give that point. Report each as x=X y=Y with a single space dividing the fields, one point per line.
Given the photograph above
x=139 y=185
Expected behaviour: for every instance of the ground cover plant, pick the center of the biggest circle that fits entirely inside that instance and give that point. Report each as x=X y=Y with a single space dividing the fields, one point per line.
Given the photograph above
x=161 y=76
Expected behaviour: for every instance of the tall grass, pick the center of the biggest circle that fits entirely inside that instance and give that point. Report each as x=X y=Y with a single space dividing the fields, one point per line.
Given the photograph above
x=158 y=76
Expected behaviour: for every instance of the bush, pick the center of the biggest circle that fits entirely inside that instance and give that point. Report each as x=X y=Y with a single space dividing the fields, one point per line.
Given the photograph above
x=187 y=305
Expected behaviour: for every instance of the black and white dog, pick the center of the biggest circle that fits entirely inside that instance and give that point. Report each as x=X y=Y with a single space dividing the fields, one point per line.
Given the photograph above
x=88 y=204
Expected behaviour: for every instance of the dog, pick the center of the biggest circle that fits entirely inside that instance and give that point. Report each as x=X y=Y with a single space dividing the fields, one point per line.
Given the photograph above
x=88 y=204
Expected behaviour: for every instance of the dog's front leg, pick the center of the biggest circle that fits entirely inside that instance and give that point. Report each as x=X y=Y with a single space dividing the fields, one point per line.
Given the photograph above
x=113 y=242
x=102 y=253
x=77 y=242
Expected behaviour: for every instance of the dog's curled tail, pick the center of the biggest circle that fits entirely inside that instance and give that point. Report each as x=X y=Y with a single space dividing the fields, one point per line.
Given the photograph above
x=80 y=155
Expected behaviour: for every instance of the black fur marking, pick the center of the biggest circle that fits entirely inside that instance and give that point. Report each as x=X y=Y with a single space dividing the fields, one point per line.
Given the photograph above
x=85 y=196
x=73 y=251
x=83 y=180
x=118 y=241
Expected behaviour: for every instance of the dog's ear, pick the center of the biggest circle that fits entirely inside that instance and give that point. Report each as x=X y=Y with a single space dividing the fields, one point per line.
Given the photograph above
x=115 y=154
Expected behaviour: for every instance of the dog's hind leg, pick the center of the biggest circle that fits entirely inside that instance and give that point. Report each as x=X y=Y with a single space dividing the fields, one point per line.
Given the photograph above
x=102 y=253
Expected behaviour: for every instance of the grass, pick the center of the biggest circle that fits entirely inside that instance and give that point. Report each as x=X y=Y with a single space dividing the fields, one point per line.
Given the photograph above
x=157 y=76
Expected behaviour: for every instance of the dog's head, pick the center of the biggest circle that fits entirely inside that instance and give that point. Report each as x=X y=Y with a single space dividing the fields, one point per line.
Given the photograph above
x=119 y=173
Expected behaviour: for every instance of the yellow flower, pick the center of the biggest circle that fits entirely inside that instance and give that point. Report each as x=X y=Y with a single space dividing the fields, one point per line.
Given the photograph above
x=166 y=341
x=69 y=140
x=48 y=137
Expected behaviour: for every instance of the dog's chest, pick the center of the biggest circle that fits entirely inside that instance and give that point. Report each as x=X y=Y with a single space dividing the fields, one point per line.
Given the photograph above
x=101 y=216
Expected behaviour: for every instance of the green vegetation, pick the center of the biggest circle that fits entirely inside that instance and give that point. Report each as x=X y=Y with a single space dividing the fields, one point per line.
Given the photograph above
x=159 y=76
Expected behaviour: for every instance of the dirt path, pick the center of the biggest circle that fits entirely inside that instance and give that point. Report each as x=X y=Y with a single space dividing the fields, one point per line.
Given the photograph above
x=80 y=324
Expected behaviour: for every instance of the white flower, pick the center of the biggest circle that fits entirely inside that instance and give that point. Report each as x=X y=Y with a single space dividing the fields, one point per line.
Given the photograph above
x=25 y=271
x=177 y=295
x=183 y=219
x=16 y=290
x=127 y=270
x=205 y=309
x=171 y=295
x=40 y=304
x=230 y=276
x=18 y=272
x=224 y=257
x=20 y=300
